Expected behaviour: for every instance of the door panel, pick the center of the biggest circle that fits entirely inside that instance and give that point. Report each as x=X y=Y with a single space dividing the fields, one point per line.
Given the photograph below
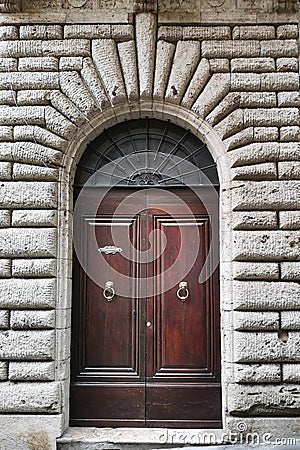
x=145 y=358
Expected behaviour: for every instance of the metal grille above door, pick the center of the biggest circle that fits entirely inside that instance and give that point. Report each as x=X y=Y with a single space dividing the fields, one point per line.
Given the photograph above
x=147 y=152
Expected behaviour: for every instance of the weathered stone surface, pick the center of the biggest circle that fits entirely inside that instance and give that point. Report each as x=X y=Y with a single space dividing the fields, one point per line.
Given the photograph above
x=129 y=68
x=8 y=32
x=265 y=134
x=164 y=58
x=18 y=49
x=279 y=48
x=34 y=268
x=29 y=80
x=20 y=294
x=288 y=171
x=264 y=81
x=27 y=242
x=291 y=373
x=180 y=75
x=257 y=99
x=266 y=171
x=252 y=65
x=255 y=271
x=66 y=107
x=266 y=246
x=289 y=151
x=24 y=320
x=5 y=268
x=107 y=63
x=5 y=170
x=170 y=33
x=230 y=49
x=3 y=370
x=31 y=371
x=34 y=218
x=122 y=32
x=266 y=296
x=219 y=65
x=20 y=115
x=231 y=125
x=271 y=195
x=70 y=63
x=38 y=64
x=290 y=271
x=28 y=194
x=72 y=47
x=254 y=32
x=7 y=98
x=8 y=64
x=251 y=321
x=201 y=33
x=198 y=82
x=4 y=319
x=28 y=152
x=145 y=42
x=290 y=320
x=266 y=347
x=255 y=153
x=91 y=79
x=23 y=345
x=289 y=98
x=254 y=220
x=225 y=107
x=33 y=97
x=290 y=134
x=85 y=31
x=263 y=400
x=287 y=64
x=58 y=124
x=38 y=173
x=257 y=373
x=287 y=32
x=214 y=91
x=41 y=32
x=5 y=215
x=73 y=87
x=239 y=139
x=30 y=398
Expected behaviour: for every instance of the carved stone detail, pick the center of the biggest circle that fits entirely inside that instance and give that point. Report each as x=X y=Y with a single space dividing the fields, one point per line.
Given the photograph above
x=10 y=5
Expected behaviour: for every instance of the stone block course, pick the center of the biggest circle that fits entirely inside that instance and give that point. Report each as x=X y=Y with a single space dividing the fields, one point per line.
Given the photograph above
x=24 y=320
x=3 y=370
x=5 y=216
x=288 y=171
x=29 y=172
x=8 y=32
x=266 y=296
x=38 y=64
x=257 y=373
x=28 y=293
x=255 y=271
x=287 y=64
x=28 y=194
x=5 y=268
x=28 y=152
x=4 y=319
x=290 y=271
x=73 y=87
x=20 y=115
x=87 y=31
x=41 y=32
x=27 y=242
x=34 y=218
x=33 y=97
x=252 y=65
x=290 y=320
x=231 y=49
x=289 y=220
x=251 y=321
x=219 y=65
x=40 y=136
x=291 y=373
x=7 y=97
x=289 y=98
x=170 y=33
x=254 y=220
x=29 y=397
x=34 y=268
x=267 y=171
x=58 y=124
x=5 y=170
x=290 y=134
x=257 y=99
x=70 y=63
x=202 y=33
x=287 y=32
x=66 y=107
x=29 y=80
x=279 y=48
x=253 y=32
x=8 y=64
x=31 y=371
x=24 y=345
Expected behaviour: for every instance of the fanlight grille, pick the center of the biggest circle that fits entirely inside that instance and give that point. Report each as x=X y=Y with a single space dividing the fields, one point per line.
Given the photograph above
x=146 y=152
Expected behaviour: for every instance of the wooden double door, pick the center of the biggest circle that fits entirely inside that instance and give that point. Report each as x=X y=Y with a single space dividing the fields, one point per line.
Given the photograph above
x=149 y=354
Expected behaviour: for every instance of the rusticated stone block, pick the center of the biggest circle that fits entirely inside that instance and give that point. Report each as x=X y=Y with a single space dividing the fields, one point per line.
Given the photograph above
x=289 y=151
x=239 y=139
x=265 y=134
x=6 y=133
x=219 y=65
x=257 y=373
x=202 y=33
x=85 y=31
x=146 y=43
x=58 y=124
x=27 y=242
x=278 y=49
x=30 y=397
x=265 y=296
x=34 y=218
x=266 y=347
x=290 y=320
x=198 y=82
x=271 y=195
x=257 y=99
x=180 y=75
x=230 y=49
x=215 y=90
x=28 y=194
x=254 y=32
x=170 y=33
x=287 y=64
x=24 y=320
x=5 y=215
x=164 y=58
x=266 y=246
x=40 y=136
x=245 y=81
x=289 y=220
x=31 y=371
x=71 y=47
x=21 y=115
x=73 y=87
x=34 y=268
x=255 y=271
x=5 y=170
x=252 y=65
x=232 y=124
x=288 y=171
x=266 y=171
x=35 y=294
x=29 y=80
x=106 y=60
x=225 y=107
x=5 y=268
x=122 y=32
x=23 y=345
x=251 y=321
x=288 y=81
x=41 y=32
x=38 y=64
x=291 y=373
x=254 y=220
x=33 y=97
x=38 y=173
x=8 y=32
x=66 y=107
x=7 y=97
x=127 y=57
x=70 y=63
x=92 y=80
x=29 y=153
x=263 y=400
x=3 y=370
x=287 y=32
x=8 y=64
x=290 y=134
x=290 y=271
x=4 y=319
x=289 y=98
x=18 y=49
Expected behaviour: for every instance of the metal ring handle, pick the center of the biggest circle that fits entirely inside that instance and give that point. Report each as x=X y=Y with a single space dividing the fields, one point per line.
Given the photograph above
x=183 y=288
x=109 y=291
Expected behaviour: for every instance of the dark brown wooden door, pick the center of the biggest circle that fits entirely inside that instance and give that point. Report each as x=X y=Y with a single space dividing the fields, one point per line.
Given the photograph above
x=145 y=358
